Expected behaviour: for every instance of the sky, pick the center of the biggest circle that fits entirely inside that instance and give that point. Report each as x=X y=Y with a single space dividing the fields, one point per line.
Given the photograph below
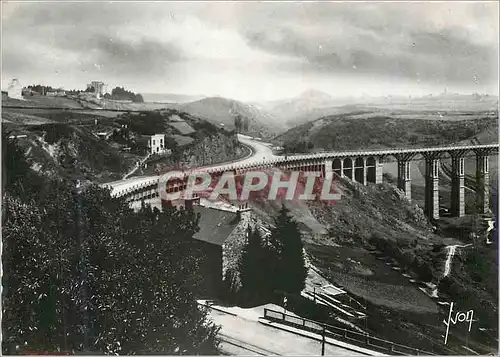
x=254 y=51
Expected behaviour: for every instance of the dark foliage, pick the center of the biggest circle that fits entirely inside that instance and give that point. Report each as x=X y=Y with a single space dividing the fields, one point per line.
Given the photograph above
x=41 y=89
x=148 y=123
x=241 y=123
x=288 y=268
x=17 y=176
x=280 y=260
x=204 y=128
x=120 y=93
x=297 y=147
x=341 y=132
x=253 y=267
x=85 y=273
x=55 y=132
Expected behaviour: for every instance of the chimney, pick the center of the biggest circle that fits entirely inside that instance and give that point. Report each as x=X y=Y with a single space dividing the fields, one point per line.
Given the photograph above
x=190 y=202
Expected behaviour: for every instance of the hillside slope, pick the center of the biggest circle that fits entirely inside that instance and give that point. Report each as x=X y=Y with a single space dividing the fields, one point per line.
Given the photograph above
x=62 y=150
x=313 y=105
x=383 y=251
x=349 y=132
x=289 y=111
x=377 y=241
x=87 y=146
x=219 y=110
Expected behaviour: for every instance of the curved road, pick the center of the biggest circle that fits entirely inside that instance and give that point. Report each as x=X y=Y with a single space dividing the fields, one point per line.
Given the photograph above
x=261 y=151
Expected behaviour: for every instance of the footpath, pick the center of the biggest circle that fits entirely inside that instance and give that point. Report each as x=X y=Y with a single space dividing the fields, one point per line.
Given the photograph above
x=247 y=327
x=138 y=164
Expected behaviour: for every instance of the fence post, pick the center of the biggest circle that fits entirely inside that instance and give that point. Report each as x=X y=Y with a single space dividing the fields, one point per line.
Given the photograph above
x=323 y=340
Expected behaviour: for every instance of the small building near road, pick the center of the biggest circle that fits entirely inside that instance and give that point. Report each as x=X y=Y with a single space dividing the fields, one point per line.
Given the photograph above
x=215 y=227
x=218 y=242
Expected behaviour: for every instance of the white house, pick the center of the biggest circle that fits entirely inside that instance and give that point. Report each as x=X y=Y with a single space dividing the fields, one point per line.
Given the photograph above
x=156 y=144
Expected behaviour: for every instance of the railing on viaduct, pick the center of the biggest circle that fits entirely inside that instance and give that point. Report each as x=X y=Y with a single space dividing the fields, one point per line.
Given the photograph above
x=365 y=167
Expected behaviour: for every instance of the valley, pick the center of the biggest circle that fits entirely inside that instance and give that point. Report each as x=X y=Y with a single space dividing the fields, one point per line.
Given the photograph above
x=250 y=178
x=379 y=248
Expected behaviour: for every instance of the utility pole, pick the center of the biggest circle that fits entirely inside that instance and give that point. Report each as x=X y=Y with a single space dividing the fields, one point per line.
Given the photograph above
x=323 y=342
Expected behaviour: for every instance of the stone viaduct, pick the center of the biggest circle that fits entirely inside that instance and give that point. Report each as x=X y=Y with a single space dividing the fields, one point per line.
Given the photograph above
x=366 y=167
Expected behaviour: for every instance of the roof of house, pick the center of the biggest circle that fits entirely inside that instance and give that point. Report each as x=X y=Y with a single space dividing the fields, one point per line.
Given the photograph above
x=215 y=225
x=158 y=135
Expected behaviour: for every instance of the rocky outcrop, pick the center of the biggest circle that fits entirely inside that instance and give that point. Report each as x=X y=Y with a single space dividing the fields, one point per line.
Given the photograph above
x=216 y=149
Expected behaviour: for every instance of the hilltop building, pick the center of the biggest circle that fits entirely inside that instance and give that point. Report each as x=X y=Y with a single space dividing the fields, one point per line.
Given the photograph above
x=98 y=88
x=15 y=89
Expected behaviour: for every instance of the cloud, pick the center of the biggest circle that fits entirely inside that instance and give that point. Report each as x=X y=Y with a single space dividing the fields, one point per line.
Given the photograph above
x=142 y=56
x=370 y=43
x=167 y=46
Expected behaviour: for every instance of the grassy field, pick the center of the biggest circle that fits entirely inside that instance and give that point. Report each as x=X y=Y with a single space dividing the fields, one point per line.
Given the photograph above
x=20 y=118
x=43 y=101
x=430 y=115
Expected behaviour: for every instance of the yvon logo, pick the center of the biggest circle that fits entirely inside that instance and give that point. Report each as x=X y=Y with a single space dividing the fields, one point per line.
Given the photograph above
x=460 y=316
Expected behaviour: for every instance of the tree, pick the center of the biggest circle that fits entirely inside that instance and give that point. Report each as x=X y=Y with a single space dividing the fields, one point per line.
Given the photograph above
x=177 y=154
x=246 y=124
x=253 y=267
x=120 y=93
x=84 y=272
x=289 y=270
x=238 y=123
x=17 y=176
x=137 y=98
